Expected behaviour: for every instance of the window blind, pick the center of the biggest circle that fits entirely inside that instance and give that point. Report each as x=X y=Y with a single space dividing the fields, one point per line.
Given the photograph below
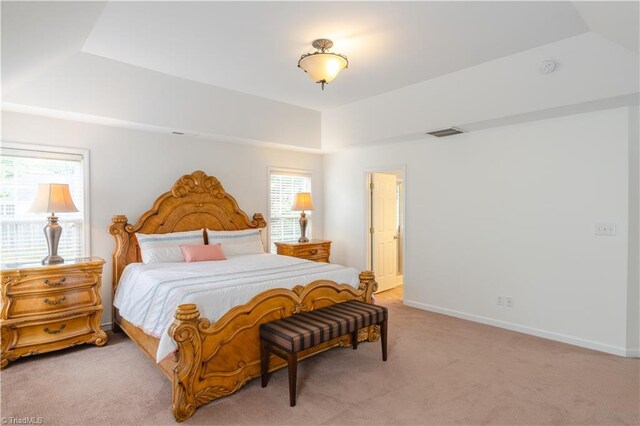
x=21 y=233
x=283 y=223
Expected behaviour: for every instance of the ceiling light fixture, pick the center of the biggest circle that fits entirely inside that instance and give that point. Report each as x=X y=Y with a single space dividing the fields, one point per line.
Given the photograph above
x=322 y=66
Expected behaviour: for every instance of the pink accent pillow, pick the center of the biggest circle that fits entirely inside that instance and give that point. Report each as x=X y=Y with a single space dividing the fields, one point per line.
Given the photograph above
x=194 y=253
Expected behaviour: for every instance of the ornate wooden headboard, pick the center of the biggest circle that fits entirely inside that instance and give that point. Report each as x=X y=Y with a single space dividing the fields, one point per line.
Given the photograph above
x=194 y=202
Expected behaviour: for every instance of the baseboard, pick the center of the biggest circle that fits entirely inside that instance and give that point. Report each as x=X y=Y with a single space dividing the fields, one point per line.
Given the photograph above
x=106 y=326
x=576 y=341
x=633 y=353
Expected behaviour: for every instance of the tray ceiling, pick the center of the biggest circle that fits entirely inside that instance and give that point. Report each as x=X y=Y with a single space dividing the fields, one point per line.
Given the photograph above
x=253 y=47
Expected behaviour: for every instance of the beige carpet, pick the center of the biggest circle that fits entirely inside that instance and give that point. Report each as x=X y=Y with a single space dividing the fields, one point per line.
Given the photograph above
x=441 y=370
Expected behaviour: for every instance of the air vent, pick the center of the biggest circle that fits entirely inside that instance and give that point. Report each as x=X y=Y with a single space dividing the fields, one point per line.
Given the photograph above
x=178 y=133
x=445 y=132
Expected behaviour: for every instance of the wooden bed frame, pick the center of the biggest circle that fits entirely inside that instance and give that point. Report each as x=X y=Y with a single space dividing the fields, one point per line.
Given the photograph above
x=217 y=359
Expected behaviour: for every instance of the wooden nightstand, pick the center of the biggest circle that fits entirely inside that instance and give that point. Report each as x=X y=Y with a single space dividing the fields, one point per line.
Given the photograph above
x=317 y=250
x=46 y=308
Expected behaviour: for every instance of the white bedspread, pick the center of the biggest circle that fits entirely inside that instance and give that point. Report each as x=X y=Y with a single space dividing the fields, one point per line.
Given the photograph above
x=148 y=295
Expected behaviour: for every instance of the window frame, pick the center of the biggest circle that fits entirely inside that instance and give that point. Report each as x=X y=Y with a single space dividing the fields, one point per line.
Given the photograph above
x=84 y=163
x=283 y=170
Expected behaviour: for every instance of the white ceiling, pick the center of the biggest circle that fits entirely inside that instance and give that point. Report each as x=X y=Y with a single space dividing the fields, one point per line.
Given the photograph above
x=37 y=36
x=227 y=70
x=617 y=21
x=253 y=47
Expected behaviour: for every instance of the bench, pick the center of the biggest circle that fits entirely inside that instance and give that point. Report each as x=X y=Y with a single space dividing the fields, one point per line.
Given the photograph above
x=288 y=336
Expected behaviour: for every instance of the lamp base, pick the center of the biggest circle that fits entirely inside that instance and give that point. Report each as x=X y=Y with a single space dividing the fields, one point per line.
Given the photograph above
x=52 y=260
x=52 y=233
x=303 y=228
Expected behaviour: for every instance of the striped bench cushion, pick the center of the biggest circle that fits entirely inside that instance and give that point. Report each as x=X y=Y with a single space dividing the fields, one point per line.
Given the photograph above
x=308 y=329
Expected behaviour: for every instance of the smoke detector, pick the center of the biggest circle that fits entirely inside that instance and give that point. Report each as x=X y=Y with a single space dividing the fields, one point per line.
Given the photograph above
x=547 y=66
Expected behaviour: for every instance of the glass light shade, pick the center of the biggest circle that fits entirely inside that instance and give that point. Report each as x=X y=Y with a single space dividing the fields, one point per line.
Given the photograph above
x=53 y=197
x=323 y=67
x=302 y=202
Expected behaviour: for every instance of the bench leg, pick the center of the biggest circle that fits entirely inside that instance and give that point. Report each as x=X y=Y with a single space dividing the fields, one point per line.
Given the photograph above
x=265 y=351
x=292 y=360
x=354 y=337
x=383 y=339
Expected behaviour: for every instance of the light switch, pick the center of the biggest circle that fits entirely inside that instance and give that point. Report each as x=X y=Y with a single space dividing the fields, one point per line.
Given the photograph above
x=605 y=229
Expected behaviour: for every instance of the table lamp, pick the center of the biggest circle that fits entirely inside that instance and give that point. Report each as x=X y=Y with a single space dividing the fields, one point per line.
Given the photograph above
x=53 y=197
x=302 y=202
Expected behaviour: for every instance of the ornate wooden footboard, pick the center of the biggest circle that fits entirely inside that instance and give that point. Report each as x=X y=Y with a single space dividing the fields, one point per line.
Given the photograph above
x=216 y=359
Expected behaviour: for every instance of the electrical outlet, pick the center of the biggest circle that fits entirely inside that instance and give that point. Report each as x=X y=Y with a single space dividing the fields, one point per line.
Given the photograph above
x=500 y=301
x=605 y=229
x=508 y=301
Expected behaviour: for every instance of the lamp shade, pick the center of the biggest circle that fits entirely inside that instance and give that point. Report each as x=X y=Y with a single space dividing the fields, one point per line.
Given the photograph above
x=53 y=197
x=302 y=202
x=323 y=67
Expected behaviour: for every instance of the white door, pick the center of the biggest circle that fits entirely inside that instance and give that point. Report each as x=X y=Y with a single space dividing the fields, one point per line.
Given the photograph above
x=384 y=248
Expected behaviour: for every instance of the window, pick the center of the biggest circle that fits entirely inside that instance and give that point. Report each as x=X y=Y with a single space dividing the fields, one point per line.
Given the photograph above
x=22 y=168
x=283 y=223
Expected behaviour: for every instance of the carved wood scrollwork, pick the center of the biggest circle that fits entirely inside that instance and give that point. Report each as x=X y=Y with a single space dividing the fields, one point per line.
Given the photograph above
x=184 y=331
x=7 y=336
x=198 y=182
x=298 y=308
x=99 y=337
x=258 y=221
x=122 y=238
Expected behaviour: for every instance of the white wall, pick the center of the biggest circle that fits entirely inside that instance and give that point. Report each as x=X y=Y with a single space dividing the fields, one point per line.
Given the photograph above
x=506 y=211
x=130 y=169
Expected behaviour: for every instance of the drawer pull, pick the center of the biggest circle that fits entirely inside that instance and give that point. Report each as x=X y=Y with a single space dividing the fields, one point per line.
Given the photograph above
x=55 y=302
x=313 y=251
x=55 y=283
x=48 y=331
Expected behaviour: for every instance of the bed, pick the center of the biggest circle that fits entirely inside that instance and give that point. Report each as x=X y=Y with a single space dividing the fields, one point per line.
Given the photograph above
x=213 y=355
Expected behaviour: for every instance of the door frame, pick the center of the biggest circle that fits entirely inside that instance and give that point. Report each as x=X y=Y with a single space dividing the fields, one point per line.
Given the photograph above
x=401 y=171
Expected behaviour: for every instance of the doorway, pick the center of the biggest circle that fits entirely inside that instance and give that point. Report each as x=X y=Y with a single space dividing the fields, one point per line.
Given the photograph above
x=385 y=227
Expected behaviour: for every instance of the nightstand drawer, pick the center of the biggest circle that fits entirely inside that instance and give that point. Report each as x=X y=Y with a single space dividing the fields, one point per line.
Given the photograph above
x=52 y=331
x=31 y=304
x=308 y=252
x=39 y=282
x=316 y=250
x=322 y=259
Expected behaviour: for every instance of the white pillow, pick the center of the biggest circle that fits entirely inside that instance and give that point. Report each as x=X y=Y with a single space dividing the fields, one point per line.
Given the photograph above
x=158 y=248
x=246 y=241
